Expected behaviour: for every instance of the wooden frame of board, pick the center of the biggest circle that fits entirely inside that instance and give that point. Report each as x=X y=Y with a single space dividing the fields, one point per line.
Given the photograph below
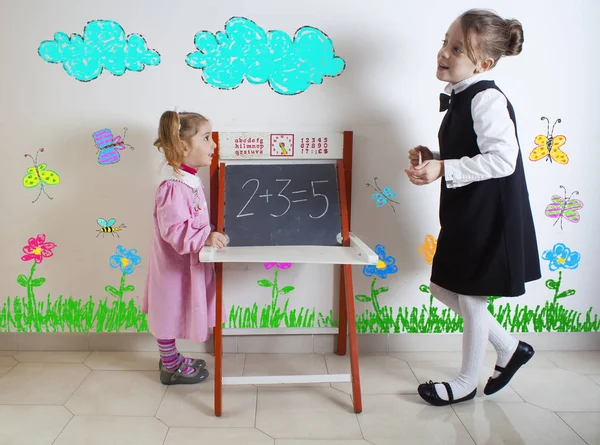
x=352 y=251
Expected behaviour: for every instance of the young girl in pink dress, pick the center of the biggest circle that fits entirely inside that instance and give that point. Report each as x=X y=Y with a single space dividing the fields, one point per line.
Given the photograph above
x=180 y=291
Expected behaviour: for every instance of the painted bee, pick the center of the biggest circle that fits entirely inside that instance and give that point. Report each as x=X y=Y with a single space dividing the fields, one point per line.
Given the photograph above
x=107 y=227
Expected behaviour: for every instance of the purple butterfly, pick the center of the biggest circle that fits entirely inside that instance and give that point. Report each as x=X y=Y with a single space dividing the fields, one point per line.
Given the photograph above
x=565 y=208
x=108 y=146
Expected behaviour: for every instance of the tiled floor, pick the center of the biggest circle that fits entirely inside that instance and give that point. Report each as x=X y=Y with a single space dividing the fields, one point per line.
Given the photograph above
x=115 y=398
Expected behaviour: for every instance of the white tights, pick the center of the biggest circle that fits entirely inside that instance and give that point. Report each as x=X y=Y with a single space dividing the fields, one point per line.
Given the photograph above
x=478 y=326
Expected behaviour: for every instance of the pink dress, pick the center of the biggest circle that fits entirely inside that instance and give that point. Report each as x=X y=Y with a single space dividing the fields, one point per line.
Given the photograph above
x=180 y=291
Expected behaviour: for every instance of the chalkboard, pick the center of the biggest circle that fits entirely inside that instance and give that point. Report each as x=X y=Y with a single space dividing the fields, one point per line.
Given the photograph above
x=282 y=205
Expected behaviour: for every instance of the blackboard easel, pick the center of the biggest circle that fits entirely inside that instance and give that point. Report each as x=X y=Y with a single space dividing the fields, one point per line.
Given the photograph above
x=239 y=148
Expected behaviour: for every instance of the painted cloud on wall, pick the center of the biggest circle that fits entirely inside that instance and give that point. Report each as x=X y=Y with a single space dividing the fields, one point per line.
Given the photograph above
x=246 y=51
x=104 y=45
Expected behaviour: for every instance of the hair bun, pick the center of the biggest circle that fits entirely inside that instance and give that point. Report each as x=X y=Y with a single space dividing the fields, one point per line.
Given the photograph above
x=515 y=37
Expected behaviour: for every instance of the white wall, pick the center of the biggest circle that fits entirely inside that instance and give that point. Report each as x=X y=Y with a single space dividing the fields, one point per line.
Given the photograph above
x=387 y=94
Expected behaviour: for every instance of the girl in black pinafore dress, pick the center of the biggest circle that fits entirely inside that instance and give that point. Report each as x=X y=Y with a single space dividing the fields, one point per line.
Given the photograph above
x=487 y=243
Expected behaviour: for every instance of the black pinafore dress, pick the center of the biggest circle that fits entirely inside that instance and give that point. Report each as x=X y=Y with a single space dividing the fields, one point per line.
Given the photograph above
x=487 y=243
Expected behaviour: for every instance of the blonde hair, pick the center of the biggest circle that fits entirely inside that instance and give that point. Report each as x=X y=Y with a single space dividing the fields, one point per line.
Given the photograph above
x=173 y=129
x=493 y=36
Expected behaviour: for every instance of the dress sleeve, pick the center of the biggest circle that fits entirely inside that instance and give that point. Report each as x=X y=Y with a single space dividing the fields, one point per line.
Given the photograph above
x=176 y=222
x=497 y=141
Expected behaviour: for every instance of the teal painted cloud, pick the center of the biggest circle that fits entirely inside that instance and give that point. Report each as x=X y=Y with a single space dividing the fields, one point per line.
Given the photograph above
x=246 y=51
x=104 y=45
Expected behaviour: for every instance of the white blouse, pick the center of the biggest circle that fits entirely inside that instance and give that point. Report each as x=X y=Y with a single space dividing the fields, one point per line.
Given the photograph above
x=496 y=138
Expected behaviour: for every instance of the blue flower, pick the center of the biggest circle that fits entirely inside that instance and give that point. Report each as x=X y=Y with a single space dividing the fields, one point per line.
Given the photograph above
x=386 y=264
x=125 y=260
x=561 y=257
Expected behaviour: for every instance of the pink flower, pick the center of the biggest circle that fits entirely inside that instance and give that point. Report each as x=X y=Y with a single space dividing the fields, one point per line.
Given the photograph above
x=270 y=266
x=37 y=249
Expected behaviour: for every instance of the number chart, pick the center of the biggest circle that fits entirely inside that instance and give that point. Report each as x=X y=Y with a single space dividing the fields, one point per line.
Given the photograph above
x=277 y=204
x=298 y=145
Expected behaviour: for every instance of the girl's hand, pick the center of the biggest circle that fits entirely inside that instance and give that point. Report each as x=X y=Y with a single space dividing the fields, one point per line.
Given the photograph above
x=216 y=239
x=413 y=155
x=425 y=173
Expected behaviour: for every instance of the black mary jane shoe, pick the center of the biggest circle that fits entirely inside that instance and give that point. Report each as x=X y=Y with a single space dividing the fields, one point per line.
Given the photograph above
x=429 y=394
x=522 y=355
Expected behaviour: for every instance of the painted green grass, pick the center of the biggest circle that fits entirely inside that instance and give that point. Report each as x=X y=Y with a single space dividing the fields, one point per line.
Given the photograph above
x=114 y=313
x=553 y=316
x=71 y=315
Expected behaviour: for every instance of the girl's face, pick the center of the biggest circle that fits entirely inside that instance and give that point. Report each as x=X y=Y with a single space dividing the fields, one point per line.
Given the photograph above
x=453 y=63
x=199 y=150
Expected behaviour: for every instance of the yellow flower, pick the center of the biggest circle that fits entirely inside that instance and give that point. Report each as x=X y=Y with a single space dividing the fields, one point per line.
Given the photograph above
x=427 y=249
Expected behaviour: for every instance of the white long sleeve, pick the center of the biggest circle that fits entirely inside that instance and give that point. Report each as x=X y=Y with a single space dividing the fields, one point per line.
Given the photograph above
x=496 y=139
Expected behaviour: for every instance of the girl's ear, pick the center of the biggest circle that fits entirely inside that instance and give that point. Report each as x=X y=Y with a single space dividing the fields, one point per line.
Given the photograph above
x=186 y=149
x=484 y=65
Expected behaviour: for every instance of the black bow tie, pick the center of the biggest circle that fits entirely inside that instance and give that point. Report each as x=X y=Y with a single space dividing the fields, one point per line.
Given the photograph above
x=446 y=101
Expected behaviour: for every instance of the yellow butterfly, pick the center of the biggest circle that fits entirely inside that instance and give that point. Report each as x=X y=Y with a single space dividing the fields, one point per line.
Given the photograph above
x=38 y=175
x=427 y=249
x=548 y=146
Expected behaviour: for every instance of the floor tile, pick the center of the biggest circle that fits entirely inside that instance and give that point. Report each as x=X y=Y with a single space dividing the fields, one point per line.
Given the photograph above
x=594 y=378
x=118 y=393
x=192 y=406
x=6 y=364
x=557 y=390
x=587 y=425
x=233 y=364
x=306 y=413
x=321 y=442
x=379 y=374
x=285 y=364
x=221 y=436
x=31 y=425
x=41 y=383
x=499 y=424
x=113 y=430
x=390 y=420
x=584 y=362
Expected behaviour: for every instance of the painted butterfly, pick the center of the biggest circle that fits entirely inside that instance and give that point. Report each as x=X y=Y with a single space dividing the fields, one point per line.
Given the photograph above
x=548 y=146
x=383 y=196
x=39 y=175
x=108 y=146
x=565 y=208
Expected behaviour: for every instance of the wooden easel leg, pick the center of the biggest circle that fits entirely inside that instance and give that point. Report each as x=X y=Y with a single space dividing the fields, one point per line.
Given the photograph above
x=218 y=340
x=356 y=394
x=343 y=322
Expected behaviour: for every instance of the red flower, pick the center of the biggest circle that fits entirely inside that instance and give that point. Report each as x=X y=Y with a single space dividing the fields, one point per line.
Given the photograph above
x=38 y=249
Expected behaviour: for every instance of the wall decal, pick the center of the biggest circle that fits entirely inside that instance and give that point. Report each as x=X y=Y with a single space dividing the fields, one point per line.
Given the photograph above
x=383 y=196
x=112 y=314
x=273 y=315
x=561 y=257
x=108 y=145
x=107 y=227
x=564 y=208
x=427 y=249
x=548 y=146
x=245 y=51
x=103 y=45
x=39 y=175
